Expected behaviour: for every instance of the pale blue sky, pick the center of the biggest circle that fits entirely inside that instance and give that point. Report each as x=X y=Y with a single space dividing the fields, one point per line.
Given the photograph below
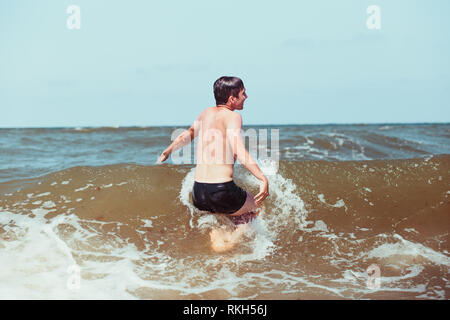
x=143 y=63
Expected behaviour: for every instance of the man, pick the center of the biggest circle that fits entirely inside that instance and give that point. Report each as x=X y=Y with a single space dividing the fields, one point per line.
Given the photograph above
x=219 y=145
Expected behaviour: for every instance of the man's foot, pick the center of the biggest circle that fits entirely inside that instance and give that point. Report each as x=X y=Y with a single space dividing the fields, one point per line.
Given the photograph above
x=222 y=240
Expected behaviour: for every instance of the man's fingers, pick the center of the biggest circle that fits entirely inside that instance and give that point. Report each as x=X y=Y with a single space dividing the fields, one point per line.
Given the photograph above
x=260 y=197
x=260 y=200
x=162 y=158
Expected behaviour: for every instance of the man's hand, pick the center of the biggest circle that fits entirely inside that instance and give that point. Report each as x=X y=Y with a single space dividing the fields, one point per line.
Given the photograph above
x=163 y=157
x=263 y=191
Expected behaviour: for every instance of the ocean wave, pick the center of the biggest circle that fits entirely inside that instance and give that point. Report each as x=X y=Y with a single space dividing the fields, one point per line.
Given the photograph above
x=132 y=232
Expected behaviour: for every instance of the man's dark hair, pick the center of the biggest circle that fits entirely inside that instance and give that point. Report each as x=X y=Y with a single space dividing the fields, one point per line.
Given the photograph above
x=224 y=87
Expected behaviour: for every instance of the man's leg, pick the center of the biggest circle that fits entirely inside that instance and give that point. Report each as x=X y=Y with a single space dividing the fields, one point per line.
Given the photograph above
x=249 y=206
x=222 y=240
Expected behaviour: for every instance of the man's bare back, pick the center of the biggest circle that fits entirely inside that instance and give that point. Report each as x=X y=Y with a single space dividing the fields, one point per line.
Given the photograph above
x=214 y=154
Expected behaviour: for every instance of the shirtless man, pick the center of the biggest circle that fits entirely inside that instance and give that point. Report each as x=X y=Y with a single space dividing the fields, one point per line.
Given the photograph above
x=219 y=145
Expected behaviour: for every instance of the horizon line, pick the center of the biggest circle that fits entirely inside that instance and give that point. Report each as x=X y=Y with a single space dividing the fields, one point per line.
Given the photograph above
x=256 y=124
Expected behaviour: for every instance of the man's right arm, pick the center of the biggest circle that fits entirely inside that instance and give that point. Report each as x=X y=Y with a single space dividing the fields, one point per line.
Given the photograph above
x=235 y=138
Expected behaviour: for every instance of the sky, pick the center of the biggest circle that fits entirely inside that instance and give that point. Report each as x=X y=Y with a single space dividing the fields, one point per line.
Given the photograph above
x=149 y=63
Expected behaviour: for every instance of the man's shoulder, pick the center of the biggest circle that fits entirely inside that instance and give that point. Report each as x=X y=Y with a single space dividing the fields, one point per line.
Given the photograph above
x=229 y=113
x=207 y=110
x=228 y=116
x=236 y=116
x=234 y=120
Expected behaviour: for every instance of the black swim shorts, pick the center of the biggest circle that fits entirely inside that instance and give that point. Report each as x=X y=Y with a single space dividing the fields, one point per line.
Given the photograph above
x=224 y=197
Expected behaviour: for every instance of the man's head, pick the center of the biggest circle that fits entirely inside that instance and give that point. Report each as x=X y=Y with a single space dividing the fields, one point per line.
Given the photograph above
x=230 y=91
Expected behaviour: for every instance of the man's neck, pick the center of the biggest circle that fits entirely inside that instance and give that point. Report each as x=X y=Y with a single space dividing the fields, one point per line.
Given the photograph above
x=225 y=106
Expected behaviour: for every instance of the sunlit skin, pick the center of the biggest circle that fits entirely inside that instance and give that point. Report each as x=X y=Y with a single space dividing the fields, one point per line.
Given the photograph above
x=222 y=240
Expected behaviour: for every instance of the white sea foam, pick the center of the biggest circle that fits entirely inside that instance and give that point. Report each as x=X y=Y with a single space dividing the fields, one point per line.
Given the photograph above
x=283 y=197
x=42 y=195
x=35 y=263
x=319 y=225
x=339 y=204
x=48 y=204
x=407 y=248
x=32 y=266
x=147 y=223
x=386 y=284
x=84 y=188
